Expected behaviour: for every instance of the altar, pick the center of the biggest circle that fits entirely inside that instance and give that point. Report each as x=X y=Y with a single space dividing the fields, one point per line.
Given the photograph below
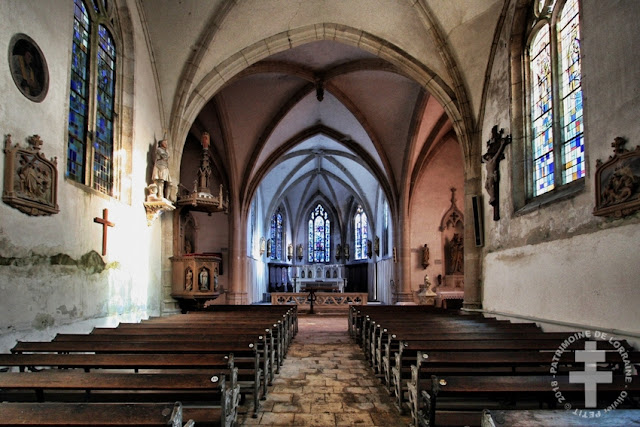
x=327 y=276
x=443 y=296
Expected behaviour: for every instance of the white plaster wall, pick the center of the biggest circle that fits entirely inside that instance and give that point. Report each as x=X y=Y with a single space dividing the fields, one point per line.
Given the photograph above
x=590 y=279
x=559 y=261
x=38 y=297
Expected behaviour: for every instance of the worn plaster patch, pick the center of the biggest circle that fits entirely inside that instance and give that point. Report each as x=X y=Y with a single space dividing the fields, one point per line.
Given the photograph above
x=43 y=321
x=64 y=311
x=92 y=262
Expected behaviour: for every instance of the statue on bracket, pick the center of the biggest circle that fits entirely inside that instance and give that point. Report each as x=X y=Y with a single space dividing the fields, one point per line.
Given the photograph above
x=495 y=153
x=425 y=256
x=156 y=202
x=30 y=179
x=160 y=175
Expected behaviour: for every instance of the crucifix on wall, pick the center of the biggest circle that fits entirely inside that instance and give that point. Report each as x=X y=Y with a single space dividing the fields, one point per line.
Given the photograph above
x=105 y=223
x=495 y=153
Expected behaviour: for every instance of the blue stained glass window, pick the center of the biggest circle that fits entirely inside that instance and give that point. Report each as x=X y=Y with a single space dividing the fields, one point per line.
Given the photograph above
x=277 y=226
x=319 y=242
x=385 y=229
x=542 y=110
x=557 y=124
x=104 y=117
x=360 y=230
x=91 y=117
x=78 y=97
x=571 y=92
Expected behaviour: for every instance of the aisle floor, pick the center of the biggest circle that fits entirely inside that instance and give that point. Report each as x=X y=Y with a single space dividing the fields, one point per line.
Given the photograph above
x=325 y=381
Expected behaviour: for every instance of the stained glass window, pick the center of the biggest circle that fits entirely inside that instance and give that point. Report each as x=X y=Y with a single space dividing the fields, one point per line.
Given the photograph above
x=557 y=126
x=91 y=121
x=385 y=229
x=276 y=235
x=542 y=112
x=319 y=242
x=360 y=229
x=571 y=92
x=78 y=103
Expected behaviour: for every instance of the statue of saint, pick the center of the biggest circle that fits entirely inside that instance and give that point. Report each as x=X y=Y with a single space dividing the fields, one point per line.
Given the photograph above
x=427 y=283
x=425 y=256
x=188 y=281
x=160 y=173
x=204 y=279
x=456 y=252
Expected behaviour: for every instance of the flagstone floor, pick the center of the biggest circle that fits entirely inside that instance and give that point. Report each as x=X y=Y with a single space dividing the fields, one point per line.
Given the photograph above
x=325 y=381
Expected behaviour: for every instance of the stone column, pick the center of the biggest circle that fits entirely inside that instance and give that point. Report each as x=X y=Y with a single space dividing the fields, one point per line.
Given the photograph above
x=168 y=305
x=403 y=295
x=472 y=253
x=237 y=260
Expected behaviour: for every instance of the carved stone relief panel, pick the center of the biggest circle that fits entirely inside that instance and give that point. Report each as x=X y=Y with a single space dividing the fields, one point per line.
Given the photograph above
x=618 y=182
x=30 y=179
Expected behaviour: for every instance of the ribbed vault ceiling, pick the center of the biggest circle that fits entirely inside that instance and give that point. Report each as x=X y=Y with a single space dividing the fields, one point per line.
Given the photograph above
x=322 y=119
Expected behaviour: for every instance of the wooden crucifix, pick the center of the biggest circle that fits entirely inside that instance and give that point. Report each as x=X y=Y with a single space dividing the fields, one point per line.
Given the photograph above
x=105 y=223
x=495 y=153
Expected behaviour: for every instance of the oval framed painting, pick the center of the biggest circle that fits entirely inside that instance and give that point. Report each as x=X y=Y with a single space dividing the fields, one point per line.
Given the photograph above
x=28 y=67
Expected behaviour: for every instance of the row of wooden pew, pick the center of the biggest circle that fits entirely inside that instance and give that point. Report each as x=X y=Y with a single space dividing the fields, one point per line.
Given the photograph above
x=447 y=366
x=196 y=366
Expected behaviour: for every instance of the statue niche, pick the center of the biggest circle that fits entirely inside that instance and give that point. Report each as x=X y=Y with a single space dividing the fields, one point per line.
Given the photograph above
x=452 y=231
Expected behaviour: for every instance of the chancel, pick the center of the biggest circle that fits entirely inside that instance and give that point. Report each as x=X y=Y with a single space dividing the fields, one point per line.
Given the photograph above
x=468 y=160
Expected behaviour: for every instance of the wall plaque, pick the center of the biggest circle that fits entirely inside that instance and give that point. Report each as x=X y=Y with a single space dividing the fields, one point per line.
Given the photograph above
x=30 y=180
x=618 y=182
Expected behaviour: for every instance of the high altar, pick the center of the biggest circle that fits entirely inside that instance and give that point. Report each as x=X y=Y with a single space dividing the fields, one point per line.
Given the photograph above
x=324 y=275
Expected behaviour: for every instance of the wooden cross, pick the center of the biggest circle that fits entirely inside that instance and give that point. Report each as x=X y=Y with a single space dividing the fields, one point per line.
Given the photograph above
x=105 y=223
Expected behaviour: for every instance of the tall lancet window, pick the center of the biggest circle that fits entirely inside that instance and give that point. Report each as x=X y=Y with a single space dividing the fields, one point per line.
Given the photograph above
x=360 y=228
x=319 y=235
x=555 y=81
x=277 y=226
x=90 y=142
x=385 y=229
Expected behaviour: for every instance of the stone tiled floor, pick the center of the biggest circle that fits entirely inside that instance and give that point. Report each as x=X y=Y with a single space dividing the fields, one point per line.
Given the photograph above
x=325 y=381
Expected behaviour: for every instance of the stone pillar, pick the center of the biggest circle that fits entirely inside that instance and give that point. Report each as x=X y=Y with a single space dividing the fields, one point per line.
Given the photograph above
x=237 y=256
x=168 y=304
x=403 y=295
x=472 y=254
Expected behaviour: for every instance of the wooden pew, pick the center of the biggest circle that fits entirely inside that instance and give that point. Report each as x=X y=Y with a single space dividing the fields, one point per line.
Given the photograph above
x=58 y=385
x=535 y=389
x=410 y=349
x=93 y=414
x=560 y=417
x=136 y=362
x=277 y=329
x=495 y=363
x=270 y=352
x=242 y=353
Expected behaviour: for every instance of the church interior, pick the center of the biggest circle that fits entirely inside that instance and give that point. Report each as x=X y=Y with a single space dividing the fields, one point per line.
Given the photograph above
x=164 y=156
